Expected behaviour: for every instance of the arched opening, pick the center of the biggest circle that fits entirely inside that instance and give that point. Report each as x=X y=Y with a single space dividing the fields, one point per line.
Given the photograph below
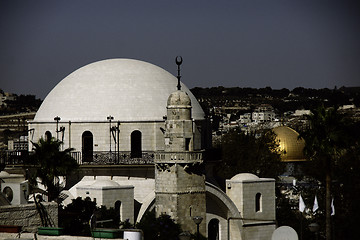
x=117 y=207
x=48 y=136
x=87 y=146
x=258 y=202
x=136 y=151
x=187 y=144
x=213 y=229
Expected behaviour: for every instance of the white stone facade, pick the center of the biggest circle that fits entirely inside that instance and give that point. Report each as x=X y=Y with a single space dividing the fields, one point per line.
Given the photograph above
x=255 y=199
x=110 y=194
x=172 y=130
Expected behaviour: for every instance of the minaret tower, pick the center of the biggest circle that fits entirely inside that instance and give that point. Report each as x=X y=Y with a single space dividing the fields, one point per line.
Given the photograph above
x=179 y=175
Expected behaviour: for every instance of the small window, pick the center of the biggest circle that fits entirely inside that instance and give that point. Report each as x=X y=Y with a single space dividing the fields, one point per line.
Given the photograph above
x=258 y=202
x=48 y=136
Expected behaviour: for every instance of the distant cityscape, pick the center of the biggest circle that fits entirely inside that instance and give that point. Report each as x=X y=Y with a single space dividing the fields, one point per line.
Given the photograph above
x=265 y=108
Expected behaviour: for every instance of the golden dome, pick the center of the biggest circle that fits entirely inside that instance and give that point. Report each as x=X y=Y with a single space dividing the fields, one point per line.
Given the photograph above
x=290 y=146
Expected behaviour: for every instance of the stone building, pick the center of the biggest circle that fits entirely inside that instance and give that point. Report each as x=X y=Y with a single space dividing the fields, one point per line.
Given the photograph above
x=113 y=106
x=132 y=130
x=179 y=175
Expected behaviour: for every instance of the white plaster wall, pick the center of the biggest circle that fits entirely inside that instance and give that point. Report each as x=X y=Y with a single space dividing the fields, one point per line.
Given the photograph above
x=263 y=232
x=93 y=194
x=108 y=197
x=152 y=136
x=142 y=186
x=243 y=195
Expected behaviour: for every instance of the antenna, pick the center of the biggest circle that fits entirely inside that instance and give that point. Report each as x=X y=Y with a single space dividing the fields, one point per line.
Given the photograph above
x=178 y=61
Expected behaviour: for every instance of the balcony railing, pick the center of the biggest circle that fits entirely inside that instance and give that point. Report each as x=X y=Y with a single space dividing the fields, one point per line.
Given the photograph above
x=14 y=157
x=179 y=157
x=108 y=158
x=96 y=158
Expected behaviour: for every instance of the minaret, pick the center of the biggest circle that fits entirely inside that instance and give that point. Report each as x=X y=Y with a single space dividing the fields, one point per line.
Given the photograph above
x=179 y=175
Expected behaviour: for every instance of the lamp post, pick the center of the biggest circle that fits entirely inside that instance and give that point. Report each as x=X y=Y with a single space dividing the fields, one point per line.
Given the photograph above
x=314 y=228
x=197 y=221
x=57 y=119
x=184 y=236
x=110 y=118
x=116 y=139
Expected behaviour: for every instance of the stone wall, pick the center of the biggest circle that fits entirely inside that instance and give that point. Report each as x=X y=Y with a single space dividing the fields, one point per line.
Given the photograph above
x=181 y=195
x=45 y=237
x=27 y=215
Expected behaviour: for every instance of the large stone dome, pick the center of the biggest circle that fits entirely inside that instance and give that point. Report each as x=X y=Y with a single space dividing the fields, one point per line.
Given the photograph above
x=129 y=90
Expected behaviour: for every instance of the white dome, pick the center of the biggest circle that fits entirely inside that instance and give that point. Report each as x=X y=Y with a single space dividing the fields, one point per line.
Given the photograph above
x=128 y=90
x=105 y=184
x=244 y=177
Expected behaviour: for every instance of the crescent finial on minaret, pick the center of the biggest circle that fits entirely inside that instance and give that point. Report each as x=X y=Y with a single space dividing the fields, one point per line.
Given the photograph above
x=178 y=61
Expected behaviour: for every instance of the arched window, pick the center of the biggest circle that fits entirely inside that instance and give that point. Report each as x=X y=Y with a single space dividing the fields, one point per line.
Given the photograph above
x=48 y=136
x=258 y=202
x=136 y=151
x=87 y=146
x=213 y=229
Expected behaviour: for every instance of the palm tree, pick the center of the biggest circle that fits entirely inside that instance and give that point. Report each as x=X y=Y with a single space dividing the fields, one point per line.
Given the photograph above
x=324 y=145
x=49 y=163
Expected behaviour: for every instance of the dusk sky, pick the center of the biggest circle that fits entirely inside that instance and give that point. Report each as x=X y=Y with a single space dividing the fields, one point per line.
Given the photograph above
x=253 y=43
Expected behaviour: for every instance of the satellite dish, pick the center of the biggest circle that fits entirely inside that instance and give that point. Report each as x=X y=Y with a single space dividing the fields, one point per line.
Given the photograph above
x=8 y=192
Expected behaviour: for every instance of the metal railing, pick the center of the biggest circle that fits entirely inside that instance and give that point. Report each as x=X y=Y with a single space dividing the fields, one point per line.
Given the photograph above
x=14 y=157
x=19 y=157
x=108 y=158
x=176 y=156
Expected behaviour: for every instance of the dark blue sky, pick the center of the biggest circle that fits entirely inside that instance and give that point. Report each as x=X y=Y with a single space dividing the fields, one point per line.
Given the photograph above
x=253 y=43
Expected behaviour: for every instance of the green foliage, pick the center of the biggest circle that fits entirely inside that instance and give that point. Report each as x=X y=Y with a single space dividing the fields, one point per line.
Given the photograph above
x=75 y=217
x=333 y=146
x=48 y=162
x=249 y=153
x=324 y=136
x=161 y=228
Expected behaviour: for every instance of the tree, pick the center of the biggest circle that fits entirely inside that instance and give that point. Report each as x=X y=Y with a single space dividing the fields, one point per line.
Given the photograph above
x=161 y=228
x=325 y=143
x=75 y=217
x=250 y=153
x=49 y=163
x=346 y=188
